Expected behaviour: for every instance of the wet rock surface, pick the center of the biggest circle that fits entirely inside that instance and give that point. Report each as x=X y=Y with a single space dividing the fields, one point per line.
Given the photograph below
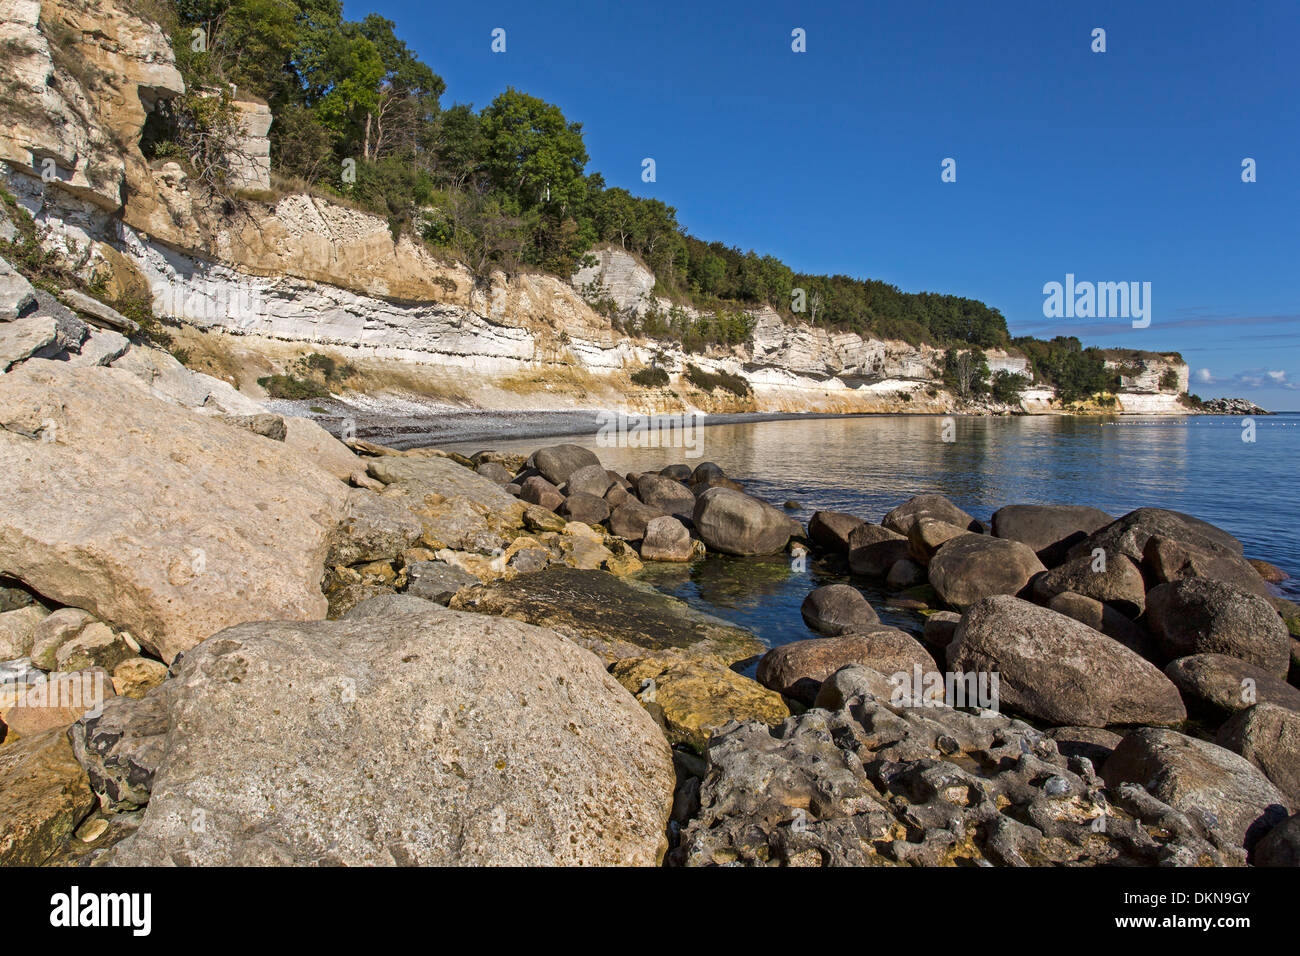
x=608 y=616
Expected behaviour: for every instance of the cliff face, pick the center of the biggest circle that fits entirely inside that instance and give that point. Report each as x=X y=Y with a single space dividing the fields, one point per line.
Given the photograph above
x=80 y=80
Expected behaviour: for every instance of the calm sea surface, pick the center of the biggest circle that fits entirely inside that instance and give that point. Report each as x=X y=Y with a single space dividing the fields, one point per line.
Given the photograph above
x=867 y=465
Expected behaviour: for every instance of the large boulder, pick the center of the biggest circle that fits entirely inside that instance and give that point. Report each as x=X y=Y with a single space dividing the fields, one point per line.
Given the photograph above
x=373 y=528
x=587 y=480
x=538 y=491
x=316 y=444
x=927 y=536
x=1201 y=616
x=972 y=567
x=1169 y=559
x=798 y=669
x=873 y=550
x=830 y=530
x=1216 y=686
x=90 y=462
x=1215 y=787
x=1280 y=846
x=1104 y=618
x=836 y=608
x=1058 y=670
x=44 y=794
x=412 y=735
x=588 y=509
x=558 y=462
x=630 y=518
x=422 y=476
x=457 y=507
x=666 y=539
x=1051 y=530
x=1129 y=534
x=665 y=495
x=609 y=616
x=935 y=507
x=1269 y=737
x=1116 y=582
x=1171 y=545
x=735 y=523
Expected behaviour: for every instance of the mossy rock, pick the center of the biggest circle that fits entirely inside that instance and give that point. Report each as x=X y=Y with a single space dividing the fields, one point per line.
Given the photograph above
x=609 y=615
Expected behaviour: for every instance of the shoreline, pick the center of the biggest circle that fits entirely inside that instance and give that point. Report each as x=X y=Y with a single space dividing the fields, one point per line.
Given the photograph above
x=434 y=425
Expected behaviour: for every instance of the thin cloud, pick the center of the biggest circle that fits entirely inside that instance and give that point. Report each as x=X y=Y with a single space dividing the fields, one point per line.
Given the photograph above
x=1125 y=327
x=1248 y=380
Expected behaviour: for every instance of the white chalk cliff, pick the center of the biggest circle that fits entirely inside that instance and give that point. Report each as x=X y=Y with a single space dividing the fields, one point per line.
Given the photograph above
x=301 y=269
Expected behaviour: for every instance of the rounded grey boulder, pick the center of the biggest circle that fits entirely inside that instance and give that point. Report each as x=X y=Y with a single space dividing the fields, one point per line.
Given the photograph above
x=1051 y=530
x=558 y=462
x=1218 y=789
x=585 y=508
x=935 y=507
x=588 y=480
x=1269 y=737
x=1200 y=616
x=971 y=567
x=735 y=523
x=798 y=669
x=1060 y=671
x=830 y=530
x=666 y=495
x=836 y=608
x=666 y=539
x=873 y=550
x=1217 y=686
x=419 y=736
x=1117 y=583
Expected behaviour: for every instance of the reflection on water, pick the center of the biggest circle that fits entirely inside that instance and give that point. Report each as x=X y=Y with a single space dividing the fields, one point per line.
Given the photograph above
x=867 y=465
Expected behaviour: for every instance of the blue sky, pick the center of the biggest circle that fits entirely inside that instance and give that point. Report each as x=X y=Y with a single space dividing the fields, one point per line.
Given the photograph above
x=1115 y=166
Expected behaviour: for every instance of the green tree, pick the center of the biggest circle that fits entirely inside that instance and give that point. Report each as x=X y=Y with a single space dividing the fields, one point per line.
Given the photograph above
x=1007 y=387
x=533 y=154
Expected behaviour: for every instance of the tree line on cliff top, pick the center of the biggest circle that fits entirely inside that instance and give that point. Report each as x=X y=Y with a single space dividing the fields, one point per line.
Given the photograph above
x=358 y=116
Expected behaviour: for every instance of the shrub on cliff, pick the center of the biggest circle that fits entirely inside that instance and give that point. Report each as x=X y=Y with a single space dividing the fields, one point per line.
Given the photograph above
x=292 y=387
x=726 y=381
x=650 y=377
